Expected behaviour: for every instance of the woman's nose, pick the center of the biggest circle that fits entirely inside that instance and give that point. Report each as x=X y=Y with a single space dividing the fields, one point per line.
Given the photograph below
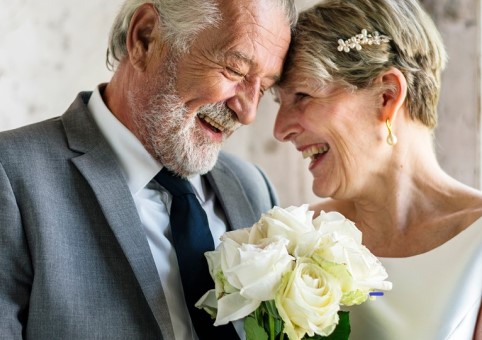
x=286 y=126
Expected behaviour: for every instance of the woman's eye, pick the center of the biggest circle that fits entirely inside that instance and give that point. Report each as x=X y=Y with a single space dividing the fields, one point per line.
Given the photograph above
x=300 y=95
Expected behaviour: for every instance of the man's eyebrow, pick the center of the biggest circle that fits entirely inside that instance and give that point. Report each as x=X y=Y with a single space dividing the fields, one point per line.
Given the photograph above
x=241 y=57
x=247 y=60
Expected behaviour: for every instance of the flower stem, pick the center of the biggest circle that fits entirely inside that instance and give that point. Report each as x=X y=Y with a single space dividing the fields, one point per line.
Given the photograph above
x=271 y=327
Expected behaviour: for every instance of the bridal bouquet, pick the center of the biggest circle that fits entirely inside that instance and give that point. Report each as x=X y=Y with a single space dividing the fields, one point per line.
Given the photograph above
x=289 y=274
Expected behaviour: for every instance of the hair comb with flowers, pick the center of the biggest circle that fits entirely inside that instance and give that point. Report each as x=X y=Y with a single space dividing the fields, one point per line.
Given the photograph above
x=363 y=38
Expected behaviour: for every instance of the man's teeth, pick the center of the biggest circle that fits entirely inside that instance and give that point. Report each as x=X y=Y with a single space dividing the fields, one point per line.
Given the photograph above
x=313 y=151
x=211 y=122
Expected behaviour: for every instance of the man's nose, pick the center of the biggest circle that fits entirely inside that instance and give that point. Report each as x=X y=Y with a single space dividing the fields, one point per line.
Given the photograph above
x=245 y=101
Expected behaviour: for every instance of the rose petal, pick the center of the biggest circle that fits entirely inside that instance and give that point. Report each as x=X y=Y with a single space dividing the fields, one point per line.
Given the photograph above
x=234 y=307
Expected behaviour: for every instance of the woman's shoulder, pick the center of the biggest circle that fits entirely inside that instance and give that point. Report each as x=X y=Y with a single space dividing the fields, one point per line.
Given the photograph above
x=470 y=211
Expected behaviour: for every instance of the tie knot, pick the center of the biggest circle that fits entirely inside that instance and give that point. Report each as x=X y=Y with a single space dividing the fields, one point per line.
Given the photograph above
x=176 y=185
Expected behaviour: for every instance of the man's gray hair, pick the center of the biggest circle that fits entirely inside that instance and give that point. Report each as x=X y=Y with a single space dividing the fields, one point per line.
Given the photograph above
x=181 y=21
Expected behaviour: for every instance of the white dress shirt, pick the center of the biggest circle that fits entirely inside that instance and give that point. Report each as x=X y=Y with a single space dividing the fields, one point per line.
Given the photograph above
x=153 y=205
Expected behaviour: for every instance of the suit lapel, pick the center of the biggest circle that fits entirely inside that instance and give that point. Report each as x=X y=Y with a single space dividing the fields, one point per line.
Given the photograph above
x=100 y=168
x=232 y=196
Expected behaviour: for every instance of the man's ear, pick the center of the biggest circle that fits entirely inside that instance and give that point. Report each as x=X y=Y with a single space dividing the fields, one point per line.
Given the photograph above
x=142 y=34
x=394 y=93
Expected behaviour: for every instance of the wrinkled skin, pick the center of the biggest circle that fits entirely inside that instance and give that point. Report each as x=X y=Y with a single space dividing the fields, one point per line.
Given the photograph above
x=159 y=95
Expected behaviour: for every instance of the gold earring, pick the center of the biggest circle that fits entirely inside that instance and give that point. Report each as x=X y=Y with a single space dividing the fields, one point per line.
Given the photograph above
x=391 y=139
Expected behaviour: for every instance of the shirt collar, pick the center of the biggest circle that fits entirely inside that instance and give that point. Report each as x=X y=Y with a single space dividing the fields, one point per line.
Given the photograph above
x=138 y=166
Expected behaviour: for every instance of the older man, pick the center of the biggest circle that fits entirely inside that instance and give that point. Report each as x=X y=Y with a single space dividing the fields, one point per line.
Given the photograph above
x=89 y=242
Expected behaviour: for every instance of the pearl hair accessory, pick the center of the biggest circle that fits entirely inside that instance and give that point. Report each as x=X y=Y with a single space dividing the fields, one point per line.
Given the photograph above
x=363 y=38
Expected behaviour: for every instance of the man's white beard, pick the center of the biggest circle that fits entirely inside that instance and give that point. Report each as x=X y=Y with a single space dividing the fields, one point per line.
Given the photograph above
x=176 y=141
x=169 y=133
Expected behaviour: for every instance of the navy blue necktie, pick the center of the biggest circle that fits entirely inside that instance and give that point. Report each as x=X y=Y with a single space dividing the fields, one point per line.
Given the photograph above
x=192 y=238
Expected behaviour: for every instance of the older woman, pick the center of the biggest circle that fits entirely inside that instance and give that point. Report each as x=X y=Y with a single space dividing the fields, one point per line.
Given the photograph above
x=359 y=98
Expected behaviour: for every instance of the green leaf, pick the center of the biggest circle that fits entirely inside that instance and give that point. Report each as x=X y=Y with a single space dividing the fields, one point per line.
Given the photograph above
x=271 y=314
x=253 y=330
x=343 y=329
x=278 y=326
x=256 y=329
x=341 y=332
x=271 y=308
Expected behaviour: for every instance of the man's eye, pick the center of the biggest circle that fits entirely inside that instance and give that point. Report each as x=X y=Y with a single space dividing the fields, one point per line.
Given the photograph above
x=235 y=72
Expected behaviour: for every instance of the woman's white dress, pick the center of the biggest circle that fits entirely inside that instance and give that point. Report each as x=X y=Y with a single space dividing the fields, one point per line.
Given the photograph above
x=436 y=295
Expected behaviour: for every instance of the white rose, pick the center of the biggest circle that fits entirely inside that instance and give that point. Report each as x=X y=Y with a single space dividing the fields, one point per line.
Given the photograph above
x=308 y=301
x=335 y=223
x=229 y=307
x=221 y=284
x=339 y=242
x=255 y=269
x=249 y=274
x=239 y=235
x=289 y=223
x=209 y=301
x=233 y=307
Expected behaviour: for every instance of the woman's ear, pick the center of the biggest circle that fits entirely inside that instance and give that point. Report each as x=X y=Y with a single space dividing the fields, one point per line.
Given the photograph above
x=141 y=35
x=393 y=94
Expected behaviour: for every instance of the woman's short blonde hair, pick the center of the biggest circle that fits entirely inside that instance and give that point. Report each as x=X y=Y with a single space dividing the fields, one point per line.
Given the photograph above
x=415 y=48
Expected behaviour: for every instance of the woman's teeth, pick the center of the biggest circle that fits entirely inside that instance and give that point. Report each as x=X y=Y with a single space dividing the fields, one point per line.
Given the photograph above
x=314 y=152
x=211 y=122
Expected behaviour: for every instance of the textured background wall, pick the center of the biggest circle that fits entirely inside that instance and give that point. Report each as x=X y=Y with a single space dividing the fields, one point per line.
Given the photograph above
x=52 y=49
x=49 y=51
x=458 y=134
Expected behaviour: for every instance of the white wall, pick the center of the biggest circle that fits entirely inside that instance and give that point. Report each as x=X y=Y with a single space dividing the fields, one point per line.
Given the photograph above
x=49 y=51
x=52 y=49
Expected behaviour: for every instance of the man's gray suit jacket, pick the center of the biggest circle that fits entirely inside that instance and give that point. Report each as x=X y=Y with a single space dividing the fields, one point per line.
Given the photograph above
x=74 y=260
